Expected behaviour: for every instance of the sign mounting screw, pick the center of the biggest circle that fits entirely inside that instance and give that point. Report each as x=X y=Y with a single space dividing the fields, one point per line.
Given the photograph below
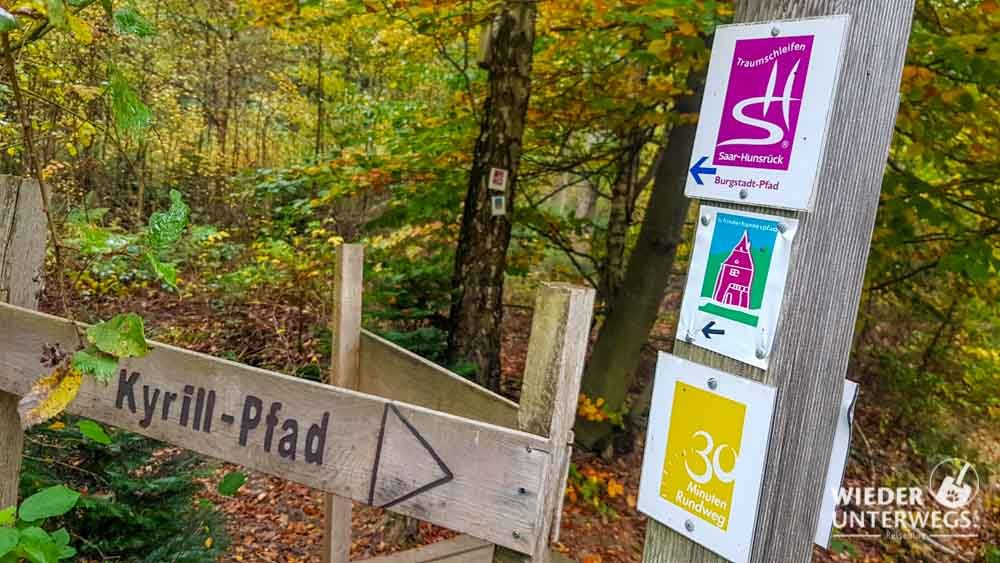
x=761 y=354
x=689 y=525
x=713 y=383
x=782 y=227
x=774 y=32
x=744 y=193
x=704 y=220
x=688 y=337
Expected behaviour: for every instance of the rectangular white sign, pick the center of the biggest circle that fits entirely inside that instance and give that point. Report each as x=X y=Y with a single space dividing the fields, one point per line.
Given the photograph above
x=765 y=113
x=704 y=460
x=736 y=283
x=838 y=463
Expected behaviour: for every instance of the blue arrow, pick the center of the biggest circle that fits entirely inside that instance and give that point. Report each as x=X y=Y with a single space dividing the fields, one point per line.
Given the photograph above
x=698 y=169
x=708 y=331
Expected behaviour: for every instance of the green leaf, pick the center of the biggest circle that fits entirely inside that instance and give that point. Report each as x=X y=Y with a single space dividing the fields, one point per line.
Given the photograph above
x=131 y=115
x=8 y=22
x=8 y=540
x=93 y=431
x=38 y=546
x=122 y=336
x=7 y=516
x=53 y=501
x=231 y=483
x=92 y=361
x=166 y=227
x=60 y=537
x=164 y=271
x=130 y=22
x=57 y=13
x=92 y=239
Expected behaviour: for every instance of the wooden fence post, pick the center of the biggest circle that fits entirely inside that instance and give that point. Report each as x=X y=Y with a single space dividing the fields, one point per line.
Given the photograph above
x=813 y=338
x=345 y=372
x=560 y=332
x=22 y=253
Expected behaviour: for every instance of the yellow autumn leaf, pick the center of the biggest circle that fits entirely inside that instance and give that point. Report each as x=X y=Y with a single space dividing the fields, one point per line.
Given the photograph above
x=80 y=29
x=57 y=426
x=49 y=396
x=686 y=28
x=208 y=542
x=615 y=488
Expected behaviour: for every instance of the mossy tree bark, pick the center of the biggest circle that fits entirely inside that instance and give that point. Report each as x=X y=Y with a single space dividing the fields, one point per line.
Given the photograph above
x=481 y=258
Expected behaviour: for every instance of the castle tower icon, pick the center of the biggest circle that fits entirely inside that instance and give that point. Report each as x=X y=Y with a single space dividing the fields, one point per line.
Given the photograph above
x=732 y=286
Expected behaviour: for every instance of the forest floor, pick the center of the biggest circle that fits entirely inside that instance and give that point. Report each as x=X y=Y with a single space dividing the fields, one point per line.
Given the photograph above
x=273 y=520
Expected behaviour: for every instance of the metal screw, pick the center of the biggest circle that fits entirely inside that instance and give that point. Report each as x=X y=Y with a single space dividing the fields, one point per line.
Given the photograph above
x=782 y=227
x=761 y=354
x=774 y=32
x=712 y=383
x=528 y=448
x=704 y=220
x=744 y=193
x=688 y=337
x=517 y=535
x=689 y=525
x=522 y=490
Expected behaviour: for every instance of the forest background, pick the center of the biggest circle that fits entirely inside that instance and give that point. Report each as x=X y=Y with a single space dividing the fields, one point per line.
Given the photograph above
x=283 y=129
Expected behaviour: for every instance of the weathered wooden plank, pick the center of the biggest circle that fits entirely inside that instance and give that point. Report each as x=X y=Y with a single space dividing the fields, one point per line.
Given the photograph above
x=463 y=549
x=469 y=476
x=390 y=371
x=23 y=236
x=813 y=338
x=560 y=332
x=22 y=253
x=345 y=372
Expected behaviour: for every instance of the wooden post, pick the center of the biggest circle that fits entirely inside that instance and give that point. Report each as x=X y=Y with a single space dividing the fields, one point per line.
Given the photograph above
x=813 y=339
x=22 y=254
x=345 y=371
x=557 y=349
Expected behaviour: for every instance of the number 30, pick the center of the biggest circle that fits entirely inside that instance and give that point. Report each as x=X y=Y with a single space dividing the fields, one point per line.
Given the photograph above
x=713 y=463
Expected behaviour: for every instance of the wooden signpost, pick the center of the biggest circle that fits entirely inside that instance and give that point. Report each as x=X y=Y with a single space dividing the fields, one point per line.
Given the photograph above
x=22 y=252
x=811 y=345
x=499 y=480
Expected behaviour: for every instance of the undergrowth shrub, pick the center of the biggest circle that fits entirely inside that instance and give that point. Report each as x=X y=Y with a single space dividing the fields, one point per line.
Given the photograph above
x=139 y=503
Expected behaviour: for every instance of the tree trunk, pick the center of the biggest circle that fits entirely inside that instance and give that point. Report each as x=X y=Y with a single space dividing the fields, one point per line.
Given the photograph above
x=481 y=258
x=318 y=149
x=633 y=311
x=620 y=217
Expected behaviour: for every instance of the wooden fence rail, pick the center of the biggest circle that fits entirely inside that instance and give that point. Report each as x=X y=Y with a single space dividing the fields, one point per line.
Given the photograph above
x=396 y=432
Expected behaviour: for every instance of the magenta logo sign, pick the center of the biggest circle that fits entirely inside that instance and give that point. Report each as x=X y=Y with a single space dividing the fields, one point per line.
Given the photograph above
x=762 y=102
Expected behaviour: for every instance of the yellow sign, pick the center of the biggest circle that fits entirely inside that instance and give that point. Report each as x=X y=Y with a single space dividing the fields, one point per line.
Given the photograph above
x=703 y=441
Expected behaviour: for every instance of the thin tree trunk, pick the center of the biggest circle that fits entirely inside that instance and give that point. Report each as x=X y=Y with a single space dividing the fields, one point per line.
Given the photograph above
x=319 y=100
x=634 y=309
x=481 y=258
x=620 y=217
